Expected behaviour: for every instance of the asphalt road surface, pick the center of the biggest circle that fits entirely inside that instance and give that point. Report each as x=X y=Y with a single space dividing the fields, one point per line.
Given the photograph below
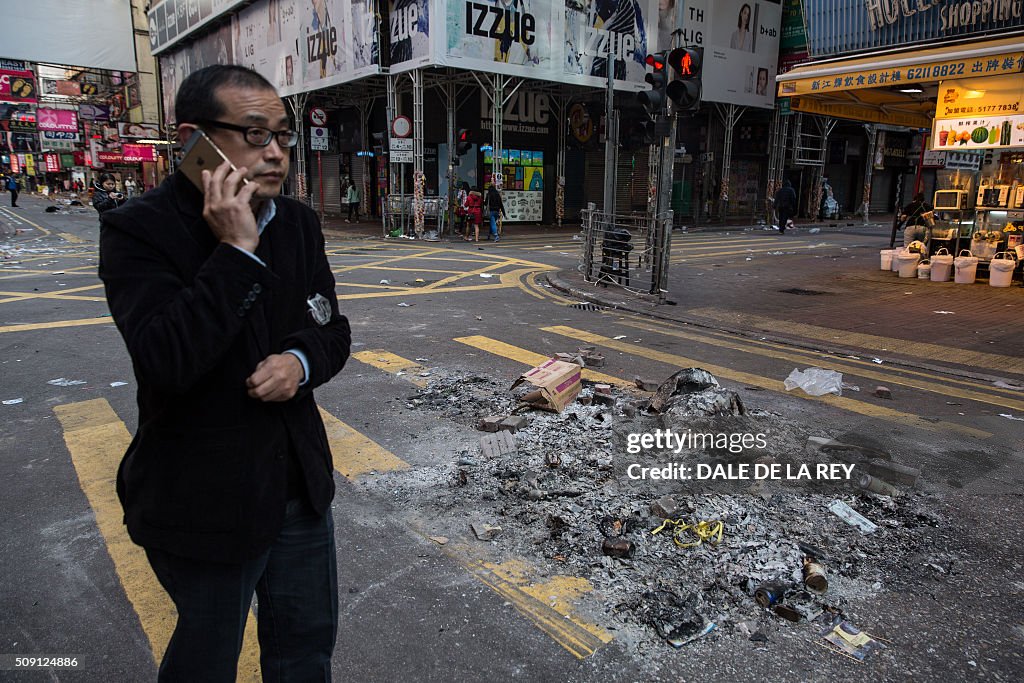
x=73 y=584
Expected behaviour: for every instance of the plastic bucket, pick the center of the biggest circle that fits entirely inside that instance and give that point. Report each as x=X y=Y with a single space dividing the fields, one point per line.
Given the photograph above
x=895 y=260
x=966 y=268
x=1000 y=270
x=887 y=256
x=907 y=263
x=924 y=270
x=942 y=265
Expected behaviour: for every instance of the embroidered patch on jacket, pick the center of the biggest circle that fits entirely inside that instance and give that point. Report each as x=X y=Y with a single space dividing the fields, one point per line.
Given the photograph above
x=320 y=307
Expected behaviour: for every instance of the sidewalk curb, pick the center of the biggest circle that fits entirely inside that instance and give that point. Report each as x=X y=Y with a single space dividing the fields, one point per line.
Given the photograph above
x=555 y=280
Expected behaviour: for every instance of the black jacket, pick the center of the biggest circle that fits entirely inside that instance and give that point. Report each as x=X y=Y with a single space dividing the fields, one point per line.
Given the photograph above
x=102 y=201
x=785 y=198
x=915 y=212
x=494 y=202
x=205 y=475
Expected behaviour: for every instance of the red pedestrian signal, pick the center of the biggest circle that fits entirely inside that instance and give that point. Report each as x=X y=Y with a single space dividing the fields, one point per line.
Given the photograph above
x=684 y=90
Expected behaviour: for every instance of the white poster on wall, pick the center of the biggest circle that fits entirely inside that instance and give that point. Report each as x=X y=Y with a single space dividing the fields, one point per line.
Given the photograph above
x=741 y=48
x=409 y=31
x=626 y=29
x=487 y=35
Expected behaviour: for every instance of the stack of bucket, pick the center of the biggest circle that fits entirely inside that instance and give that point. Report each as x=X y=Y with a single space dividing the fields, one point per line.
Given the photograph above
x=906 y=263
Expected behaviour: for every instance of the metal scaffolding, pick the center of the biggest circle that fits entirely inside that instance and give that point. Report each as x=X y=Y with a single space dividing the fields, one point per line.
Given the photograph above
x=297 y=103
x=730 y=114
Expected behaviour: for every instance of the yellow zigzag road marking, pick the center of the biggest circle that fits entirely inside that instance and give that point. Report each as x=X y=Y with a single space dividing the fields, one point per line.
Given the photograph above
x=848 y=404
x=97 y=439
x=29 y=327
x=355 y=454
x=532 y=359
x=389 y=362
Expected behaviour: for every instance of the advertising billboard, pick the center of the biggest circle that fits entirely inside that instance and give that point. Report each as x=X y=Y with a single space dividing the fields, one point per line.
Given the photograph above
x=17 y=86
x=62 y=120
x=741 y=49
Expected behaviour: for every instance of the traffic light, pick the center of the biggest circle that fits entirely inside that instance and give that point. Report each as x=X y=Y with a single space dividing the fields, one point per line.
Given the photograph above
x=464 y=142
x=655 y=99
x=684 y=91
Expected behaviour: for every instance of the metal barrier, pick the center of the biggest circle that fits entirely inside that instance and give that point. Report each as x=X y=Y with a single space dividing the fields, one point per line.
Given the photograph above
x=399 y=214
x=629 y=251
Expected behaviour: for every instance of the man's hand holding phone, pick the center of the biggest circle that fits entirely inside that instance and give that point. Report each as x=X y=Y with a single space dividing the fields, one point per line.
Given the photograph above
x=227 y=209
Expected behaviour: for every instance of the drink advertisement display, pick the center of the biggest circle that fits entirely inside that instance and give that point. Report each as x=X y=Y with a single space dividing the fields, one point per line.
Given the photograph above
x=981 y=132
x=741 y=49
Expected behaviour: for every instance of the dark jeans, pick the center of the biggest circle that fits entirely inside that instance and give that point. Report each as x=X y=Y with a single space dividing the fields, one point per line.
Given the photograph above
x=14 y=197
x=353 y=207
x=296 y=584
x=784 y=216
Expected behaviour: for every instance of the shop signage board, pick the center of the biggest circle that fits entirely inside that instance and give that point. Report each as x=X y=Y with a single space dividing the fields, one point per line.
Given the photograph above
x=58 y=141
x=979 y=132
x=741 y=49
x=17 y=86
x=52 y=86
x=837 y=27
x=29 y=161
x=400 y=151
x=1011 y=62
x=980 y=97
x=954 y=161
x=526 y=112
x=134 y=154
x=148 y=131
x=52 y=163
x=61 y=120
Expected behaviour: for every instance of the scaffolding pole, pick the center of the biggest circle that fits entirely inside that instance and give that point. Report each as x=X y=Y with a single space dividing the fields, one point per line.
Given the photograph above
x=869 y=167
x=730 y=114
x=297 y=103
x=418 y=177
x=561 y=105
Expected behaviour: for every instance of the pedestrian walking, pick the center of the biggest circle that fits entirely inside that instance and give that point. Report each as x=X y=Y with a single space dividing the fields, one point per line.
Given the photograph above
x=917 y=217
x=474 y=213
x=129 y=187
x=226 y=303
x=495 y=208
x=785 y=205
x=12 y=187
x=105 y=195
x=352 y=198
x=461 y=214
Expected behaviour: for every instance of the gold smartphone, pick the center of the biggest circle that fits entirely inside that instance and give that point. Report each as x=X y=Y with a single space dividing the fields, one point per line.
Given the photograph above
x=200 y=153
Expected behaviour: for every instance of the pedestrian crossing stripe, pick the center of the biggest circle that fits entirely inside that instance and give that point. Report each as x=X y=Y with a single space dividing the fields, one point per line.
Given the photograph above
x=97 y=439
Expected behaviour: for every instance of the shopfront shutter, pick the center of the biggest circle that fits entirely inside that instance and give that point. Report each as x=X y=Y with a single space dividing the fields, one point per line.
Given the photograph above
x=330 y=165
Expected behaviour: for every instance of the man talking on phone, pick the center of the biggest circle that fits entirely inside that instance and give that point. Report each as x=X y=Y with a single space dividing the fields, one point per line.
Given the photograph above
x=227 y=305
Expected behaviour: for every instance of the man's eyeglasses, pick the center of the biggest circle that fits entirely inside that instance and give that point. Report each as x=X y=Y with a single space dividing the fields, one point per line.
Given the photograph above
x=257 y=136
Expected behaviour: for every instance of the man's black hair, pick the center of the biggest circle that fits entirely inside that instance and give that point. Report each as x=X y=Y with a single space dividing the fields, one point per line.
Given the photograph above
x=197 y=96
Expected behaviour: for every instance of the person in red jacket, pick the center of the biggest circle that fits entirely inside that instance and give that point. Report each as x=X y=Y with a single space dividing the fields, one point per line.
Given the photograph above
x=474 y=212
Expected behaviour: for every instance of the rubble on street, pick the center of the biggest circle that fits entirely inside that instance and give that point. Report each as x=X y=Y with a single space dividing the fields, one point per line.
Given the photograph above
x=731 y=559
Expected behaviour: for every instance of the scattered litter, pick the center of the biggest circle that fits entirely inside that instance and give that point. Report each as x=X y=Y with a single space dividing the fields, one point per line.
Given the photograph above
x=1011 y=417
x=944 y=312
x=558 y=385
x=13 y=401
x=875 y=485
x=815 y=381
x=852 y=517
x=422 y=360
x=57 y=272
x=485 y=532
x=404 y=305
x=846 y=639
x=385 y=282
x=893 y=472
x=690 y=380
x=478 y=317
x=498 y=444
x=877 y=360
x=486 y=275
x=850 y=387
x=62 y=382
x=814 y=231
x=708 y=530
x=883 y=392
x=621 y=336
x=814 y=576
x=440 y=540
x=1006 y=385
x=118 y=384
x=617 y=547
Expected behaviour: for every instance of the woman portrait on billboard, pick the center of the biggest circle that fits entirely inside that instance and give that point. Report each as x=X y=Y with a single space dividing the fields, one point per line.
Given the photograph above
x=762 y=81
x=742 y=38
